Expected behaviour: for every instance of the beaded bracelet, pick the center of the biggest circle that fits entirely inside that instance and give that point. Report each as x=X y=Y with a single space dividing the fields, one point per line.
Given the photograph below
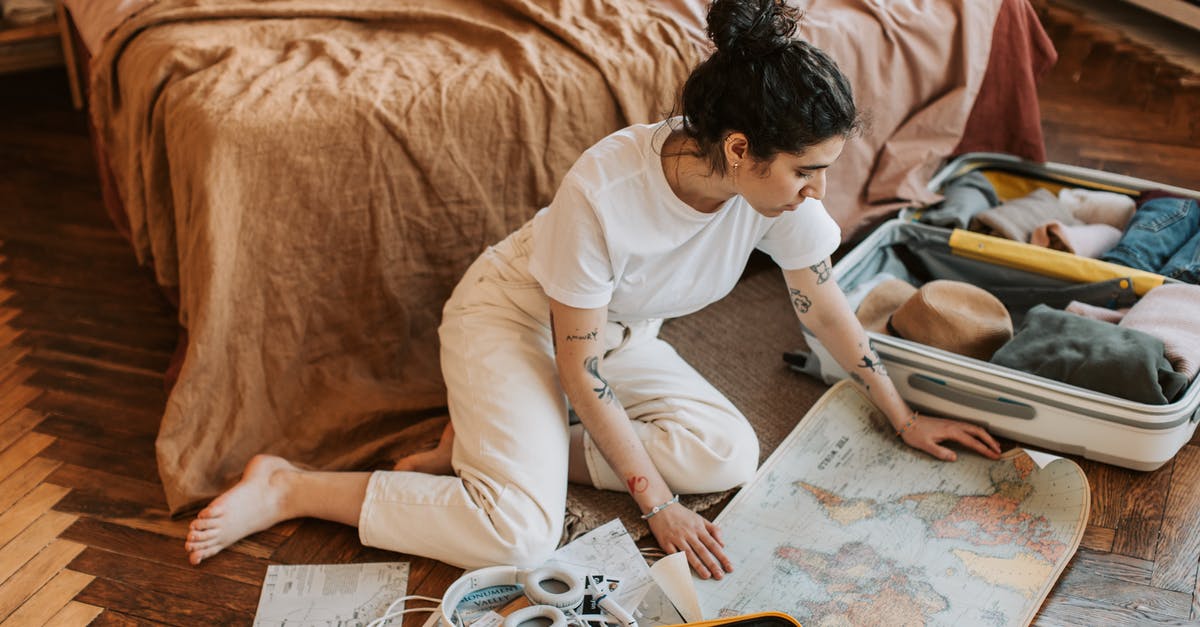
x=658 y=508
x=908 y=425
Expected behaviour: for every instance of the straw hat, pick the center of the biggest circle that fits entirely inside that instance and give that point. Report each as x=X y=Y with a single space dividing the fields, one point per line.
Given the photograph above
x=950 y=315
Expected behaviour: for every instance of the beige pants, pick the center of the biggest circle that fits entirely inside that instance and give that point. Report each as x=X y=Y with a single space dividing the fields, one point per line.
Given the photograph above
x=507 y=502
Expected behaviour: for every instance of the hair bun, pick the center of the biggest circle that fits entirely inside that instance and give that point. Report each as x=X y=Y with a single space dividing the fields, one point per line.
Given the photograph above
x=751 y=29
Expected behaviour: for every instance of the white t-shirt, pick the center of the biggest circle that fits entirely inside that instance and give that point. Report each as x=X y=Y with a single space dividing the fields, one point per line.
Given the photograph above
x=615 y=235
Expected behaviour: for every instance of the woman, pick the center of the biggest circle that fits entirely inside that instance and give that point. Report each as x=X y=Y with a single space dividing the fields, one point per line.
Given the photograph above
x=560 y=320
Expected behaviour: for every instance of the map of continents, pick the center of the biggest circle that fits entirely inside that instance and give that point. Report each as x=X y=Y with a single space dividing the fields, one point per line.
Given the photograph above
x=845 y=525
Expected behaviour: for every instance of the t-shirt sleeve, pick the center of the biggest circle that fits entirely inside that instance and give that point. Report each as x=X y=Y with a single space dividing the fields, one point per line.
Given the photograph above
x=801 y=238
x=570 y=255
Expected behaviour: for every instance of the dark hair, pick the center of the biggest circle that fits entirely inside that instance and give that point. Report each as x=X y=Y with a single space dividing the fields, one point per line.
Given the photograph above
x=783 y=93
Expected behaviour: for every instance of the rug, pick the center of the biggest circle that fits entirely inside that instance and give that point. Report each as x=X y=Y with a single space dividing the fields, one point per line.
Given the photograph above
x=845 y=524
x=737 y=343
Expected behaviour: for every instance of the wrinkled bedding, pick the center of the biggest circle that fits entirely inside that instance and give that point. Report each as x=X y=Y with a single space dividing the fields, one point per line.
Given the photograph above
x=96 y=19
x=313 y=176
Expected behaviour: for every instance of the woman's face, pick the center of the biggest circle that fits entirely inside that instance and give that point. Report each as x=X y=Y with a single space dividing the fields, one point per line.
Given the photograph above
x=788 y=180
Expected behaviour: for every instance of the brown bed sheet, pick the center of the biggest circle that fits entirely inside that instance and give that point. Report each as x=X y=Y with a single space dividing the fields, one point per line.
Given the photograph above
x=312 y=176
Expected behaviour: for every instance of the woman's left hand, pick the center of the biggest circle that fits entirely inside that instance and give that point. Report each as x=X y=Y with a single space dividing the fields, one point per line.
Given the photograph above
x=927 y=434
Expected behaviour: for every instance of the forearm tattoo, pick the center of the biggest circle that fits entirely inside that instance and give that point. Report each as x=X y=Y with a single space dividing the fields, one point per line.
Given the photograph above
x=604 y=393
x=822 y=270
x=871 y=360
x=637 y=484
x=800 y=302
x=859 y=380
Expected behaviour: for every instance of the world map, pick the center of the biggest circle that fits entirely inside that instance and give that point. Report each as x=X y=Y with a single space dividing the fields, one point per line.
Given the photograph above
x=846 y=525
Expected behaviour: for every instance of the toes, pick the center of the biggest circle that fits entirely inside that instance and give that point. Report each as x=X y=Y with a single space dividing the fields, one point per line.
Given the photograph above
x=193 y=547
x=200 y=535
x=208 y=552
x=199 y=554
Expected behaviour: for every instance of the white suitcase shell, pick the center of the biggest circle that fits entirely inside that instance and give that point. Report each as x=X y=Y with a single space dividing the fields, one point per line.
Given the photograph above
x=1014 y=404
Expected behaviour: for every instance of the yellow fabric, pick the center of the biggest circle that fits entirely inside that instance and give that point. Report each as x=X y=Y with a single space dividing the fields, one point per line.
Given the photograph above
x=1010 y=186
x=1044 y=261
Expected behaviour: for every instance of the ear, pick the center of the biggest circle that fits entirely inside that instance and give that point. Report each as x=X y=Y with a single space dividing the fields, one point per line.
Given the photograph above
x=737 y=147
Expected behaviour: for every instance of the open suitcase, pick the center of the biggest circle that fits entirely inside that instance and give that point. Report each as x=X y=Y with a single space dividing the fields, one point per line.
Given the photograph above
x=1026 y=408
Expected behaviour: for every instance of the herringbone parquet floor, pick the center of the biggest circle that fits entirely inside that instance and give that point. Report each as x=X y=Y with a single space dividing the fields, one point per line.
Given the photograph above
x=37 y=587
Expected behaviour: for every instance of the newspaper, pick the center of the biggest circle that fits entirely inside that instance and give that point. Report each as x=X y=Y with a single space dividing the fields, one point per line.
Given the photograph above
x=348 y=595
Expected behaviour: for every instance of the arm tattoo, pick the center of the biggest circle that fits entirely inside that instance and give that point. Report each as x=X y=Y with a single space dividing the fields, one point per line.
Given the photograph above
x=871 y=360
x=590 y=335
x=637 y=484
x=859 y=380
x=822 y=270
x=603 y=392
x=800 y=302
x=553 y=333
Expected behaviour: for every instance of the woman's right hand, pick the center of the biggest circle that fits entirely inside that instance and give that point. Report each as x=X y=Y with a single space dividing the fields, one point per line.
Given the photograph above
x=678 y=528
x=927 y=434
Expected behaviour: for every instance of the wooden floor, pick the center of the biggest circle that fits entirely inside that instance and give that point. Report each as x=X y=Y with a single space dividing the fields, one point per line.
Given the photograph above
x=85 y=337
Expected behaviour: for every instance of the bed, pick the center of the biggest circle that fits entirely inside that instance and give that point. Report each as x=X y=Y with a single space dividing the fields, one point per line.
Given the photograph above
x=309 y=178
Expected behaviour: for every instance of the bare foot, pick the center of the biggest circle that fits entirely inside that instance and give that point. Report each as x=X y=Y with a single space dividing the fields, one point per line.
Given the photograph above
x=254 y=504
x=435 y=462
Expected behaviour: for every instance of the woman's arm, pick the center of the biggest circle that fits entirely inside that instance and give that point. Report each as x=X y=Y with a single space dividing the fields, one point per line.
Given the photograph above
x=579 y=355
x=821 y=306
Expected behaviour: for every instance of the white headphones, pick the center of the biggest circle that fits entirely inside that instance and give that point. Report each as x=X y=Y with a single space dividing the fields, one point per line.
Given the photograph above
x=496 y=586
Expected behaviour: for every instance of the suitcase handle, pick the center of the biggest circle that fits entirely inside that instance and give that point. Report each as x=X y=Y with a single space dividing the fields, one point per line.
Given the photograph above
x=974 y=400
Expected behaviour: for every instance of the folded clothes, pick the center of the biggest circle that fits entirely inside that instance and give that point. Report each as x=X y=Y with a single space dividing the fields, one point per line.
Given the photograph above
x=1017 y=218
x=1096 y=312
x=1095 y=355
x=962 y=199
x=1096 y=207
x=1085 y=240
x=1169 y=312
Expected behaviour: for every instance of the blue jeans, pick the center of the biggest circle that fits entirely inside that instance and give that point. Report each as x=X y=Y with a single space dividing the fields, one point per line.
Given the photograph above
x=1162 y=237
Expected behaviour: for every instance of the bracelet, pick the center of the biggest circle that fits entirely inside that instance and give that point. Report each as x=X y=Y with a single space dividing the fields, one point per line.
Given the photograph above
x=912 y=420
x=658 y=508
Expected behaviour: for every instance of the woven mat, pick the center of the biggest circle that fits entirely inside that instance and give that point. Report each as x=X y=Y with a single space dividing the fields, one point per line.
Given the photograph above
x=737 y=343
